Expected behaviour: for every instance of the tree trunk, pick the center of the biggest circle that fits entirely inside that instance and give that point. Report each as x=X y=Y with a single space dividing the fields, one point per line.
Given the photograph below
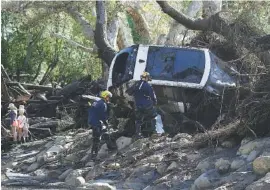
x=105 y=51
x=141 y=26
x=112 y=32
x=211 y=7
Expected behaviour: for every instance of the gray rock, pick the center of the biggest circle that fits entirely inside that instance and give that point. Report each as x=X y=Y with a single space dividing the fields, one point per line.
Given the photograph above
x=172 y=166
x=90 y=164
x=103 y=151
x=96 y=171
x=261 y=165
x=179 y=143
x=73 y=174
x=72 y=157
x=155 y=158
x=161 y=168
x=113 y=166
x=203 y=165
x=33 y=167
x=30 y=160
x=123 y=142
x=97 y=186
x=237 y=180
x=228 y=144
x=54 y=150
x=246 y=140
x=236 y=164
x=252 y=156
x=65 y=174
x=206 y=180
x=223 y=187
x=266 y=153
x=76 y=181
x=248 y=148
x=54 y=174
x=222 y=165
x=182 y=135
x=49 y=144
x=261 y=184
x=68 y=145
x=257 y=145
x=60 y=140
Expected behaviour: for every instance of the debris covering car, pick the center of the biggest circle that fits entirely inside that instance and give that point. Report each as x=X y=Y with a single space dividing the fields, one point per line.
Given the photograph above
x=177 y=72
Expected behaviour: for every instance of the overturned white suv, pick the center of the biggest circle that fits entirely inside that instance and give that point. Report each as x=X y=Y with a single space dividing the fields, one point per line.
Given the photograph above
x=177 y=72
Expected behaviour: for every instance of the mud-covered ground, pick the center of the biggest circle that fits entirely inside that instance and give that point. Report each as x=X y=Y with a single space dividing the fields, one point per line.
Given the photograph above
x=62 y=162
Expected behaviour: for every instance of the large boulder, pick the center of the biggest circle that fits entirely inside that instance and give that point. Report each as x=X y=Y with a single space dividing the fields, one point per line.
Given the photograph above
x=252 y=155
x=54 y=150
x=123 y=142
x=98 y=170
x=203 y=165
x=103 y=151
x=182 y=136
x=76 y=181
x=261 y=184
x=247 y=148
x=172 y=166
x=238 y=163
x=65 y=174
x=72 y=178
x=222 y=165
x=261 y=165
x=33 y=167
x=161 y=168
x=206 y=180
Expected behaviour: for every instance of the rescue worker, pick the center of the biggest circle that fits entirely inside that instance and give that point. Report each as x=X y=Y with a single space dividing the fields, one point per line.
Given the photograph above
x=145 y=101
x=98 y=112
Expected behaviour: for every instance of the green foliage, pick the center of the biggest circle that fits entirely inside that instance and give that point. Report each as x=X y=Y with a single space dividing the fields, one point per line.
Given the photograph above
x=32 y=50
x=135 y=35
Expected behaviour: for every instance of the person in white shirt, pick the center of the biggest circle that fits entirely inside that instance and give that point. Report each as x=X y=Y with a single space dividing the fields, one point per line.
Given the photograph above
x=22 y=125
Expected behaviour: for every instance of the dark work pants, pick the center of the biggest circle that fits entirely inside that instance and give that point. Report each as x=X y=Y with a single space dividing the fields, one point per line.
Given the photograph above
x=96 y=139
x=145 y=121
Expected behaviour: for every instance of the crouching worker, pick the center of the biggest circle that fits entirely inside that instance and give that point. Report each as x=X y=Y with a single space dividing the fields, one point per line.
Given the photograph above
x=98 y=112
x=145 y=101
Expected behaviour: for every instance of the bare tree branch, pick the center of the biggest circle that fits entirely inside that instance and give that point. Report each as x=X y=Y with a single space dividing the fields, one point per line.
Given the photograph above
x=73 y=43
x=218 y=23
x=193 y=24
x=87 y=28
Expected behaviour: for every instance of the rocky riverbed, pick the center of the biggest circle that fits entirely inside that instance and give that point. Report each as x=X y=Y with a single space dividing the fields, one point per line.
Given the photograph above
x=61 y=162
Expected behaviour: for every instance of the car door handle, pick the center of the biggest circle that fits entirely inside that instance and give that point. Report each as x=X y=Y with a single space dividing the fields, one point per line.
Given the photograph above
x=141 y=61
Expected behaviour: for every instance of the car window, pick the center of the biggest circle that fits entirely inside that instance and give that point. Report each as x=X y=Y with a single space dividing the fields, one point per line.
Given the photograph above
x=175 y=64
